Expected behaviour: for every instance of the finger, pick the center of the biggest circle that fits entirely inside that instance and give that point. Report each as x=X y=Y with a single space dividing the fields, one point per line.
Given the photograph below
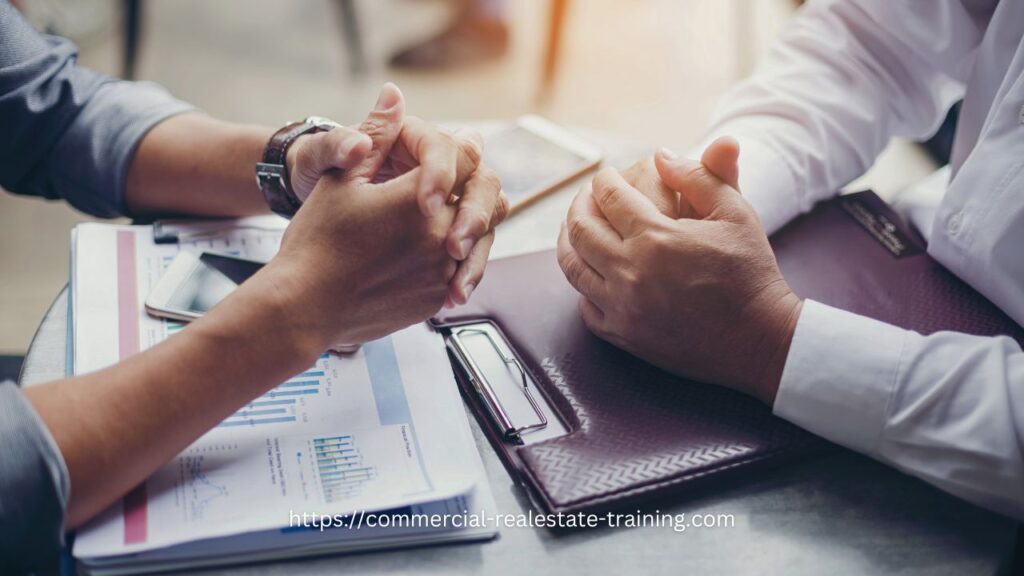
x=580 y=275
x=315 y=154
x=707 y=194
x=479 y=206
x=401 y=190
x=625 y=207
x=590 y=234
x=383 y=125
x=593 y=316
x=448 y=160
x=471 y=271
x=338 y=148
x=644 y=177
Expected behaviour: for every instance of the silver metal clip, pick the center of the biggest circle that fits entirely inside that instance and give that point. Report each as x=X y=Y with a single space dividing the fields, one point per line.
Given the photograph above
x=486 y=391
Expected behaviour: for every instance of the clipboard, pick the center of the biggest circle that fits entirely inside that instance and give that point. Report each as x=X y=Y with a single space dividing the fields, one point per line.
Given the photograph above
x=603 y=430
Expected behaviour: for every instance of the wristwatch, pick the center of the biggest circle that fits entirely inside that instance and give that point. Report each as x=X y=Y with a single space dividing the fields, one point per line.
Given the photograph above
x=272 y=173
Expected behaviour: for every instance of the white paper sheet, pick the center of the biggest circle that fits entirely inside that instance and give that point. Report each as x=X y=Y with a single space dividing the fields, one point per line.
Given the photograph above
x=376 y=430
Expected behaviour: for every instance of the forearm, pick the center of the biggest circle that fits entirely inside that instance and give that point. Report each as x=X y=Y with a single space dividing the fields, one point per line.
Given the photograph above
x=116 y=426
x=192 y=164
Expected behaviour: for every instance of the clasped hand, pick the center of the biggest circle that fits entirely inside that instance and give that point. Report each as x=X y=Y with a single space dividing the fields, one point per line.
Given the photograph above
x=672 y=265
x=404 y=229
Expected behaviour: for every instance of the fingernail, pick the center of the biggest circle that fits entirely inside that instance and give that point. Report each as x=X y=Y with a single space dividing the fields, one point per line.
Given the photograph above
x=469 y=290
x=388 y=97
x=448 y=304
x=465 y=245
x=434 y=204
x=668 y=154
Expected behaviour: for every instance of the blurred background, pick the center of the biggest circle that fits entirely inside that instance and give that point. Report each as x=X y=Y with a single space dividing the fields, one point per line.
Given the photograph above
x=650 y=70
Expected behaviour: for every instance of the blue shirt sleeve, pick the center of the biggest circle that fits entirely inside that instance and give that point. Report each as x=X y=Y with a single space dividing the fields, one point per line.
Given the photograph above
x=69 y=132
x=34 y=487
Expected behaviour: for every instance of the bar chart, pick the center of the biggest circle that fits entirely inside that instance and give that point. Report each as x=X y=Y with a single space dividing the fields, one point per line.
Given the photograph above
x=284 y=403
x=340 y=467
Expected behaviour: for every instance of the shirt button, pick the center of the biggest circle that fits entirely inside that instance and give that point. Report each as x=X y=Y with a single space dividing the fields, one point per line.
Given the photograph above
x=955 y=223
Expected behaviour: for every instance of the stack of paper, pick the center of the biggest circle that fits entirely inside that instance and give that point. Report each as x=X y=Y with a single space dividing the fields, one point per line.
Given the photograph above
x=350 y=437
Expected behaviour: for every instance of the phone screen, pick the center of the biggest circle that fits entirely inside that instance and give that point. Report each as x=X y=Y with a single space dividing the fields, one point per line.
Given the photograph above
x=214 y=277
x=528 y=163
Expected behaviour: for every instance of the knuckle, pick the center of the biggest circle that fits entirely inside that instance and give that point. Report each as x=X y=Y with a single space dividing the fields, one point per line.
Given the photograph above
x=502 y=208
x=655 y=239
x=574 y=273
x=631 y=280
x=472 y=150
x=336 y=144
x=588 y=284
x=577 y=229
x=479 y=221
x=606 y=191
x=570 y=266
x=744 y=214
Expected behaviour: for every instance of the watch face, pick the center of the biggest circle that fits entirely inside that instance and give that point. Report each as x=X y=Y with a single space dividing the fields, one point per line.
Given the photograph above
x=322 y=123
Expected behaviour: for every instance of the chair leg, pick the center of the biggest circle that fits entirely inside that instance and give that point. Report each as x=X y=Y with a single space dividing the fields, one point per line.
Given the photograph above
x=556 y=26
x=132 y=32
x=353 y=36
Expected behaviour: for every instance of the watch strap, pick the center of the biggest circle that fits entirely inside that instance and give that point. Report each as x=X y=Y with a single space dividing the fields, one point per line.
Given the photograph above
x=272 y=172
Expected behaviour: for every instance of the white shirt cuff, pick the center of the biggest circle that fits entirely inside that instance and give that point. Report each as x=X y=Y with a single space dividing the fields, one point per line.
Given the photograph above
x=839 y=376
x=766 y=181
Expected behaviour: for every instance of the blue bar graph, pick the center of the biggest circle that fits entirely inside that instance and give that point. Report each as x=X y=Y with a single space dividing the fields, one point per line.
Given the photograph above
x=248 y=413
x=274 y=393
x=340 y=467
x=310 y=374
x=292 y=383
x=280 y=405
x=271 y=403
x=254 y=421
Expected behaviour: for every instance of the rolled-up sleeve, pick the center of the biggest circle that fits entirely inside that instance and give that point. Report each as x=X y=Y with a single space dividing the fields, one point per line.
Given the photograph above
x=33 y=486
x=69 y=132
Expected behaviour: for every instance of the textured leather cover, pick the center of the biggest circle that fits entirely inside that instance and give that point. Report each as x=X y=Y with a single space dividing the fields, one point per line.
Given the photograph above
x=638 y=432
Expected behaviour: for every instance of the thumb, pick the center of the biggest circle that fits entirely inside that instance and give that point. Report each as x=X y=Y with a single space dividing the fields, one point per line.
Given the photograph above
x=722 y=159
x=708 y=193
x=382 y=125
x=315 y=154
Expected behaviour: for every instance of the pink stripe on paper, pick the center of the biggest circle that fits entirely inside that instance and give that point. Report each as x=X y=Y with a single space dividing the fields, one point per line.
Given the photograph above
x=135 y=502
x=127 y=296
x=135 y=515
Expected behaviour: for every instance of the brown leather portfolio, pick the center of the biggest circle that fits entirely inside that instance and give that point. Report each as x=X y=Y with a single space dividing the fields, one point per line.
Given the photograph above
x=633 y=431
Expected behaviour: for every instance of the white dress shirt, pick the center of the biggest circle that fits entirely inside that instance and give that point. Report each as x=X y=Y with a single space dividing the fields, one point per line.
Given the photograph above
x=844 y=78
